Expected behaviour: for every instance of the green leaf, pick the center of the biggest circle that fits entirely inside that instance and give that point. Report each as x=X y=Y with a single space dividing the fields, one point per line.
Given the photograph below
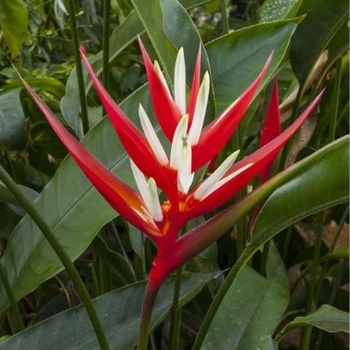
x=308 y=193
x=327 y=318
x=245 y=51
x=47 y=84
x=340 y=253
x=122 y=36
x=240 y=322
x=12 y=123
x=119 y=312
x=165 y=22
x=319 y=27
x=274 y=10
x=188 y=4
x=119 y=264
x=315 y=193
x=13 y=21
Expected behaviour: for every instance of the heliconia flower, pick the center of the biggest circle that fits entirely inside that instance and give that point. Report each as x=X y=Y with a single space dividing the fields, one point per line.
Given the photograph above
x=193 y=145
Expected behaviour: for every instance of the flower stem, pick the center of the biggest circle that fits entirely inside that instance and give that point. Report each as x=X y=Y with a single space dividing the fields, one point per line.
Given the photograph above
x=19 y=320
x=310 y=306
x=62 y=255
x=151 y=292
x=106 y=30
x=175 y=323
x=78 y=66
x=225 y=26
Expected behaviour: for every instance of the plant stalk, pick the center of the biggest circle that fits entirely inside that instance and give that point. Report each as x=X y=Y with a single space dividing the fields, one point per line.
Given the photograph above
x=310 y=306
x=19 y=319
x=78 y=66
x=105 y=45
x=175 y=324
x=225 y=25
x=62 y=255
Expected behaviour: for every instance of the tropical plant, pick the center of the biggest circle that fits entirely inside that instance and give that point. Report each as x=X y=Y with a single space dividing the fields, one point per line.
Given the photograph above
x=255 y=236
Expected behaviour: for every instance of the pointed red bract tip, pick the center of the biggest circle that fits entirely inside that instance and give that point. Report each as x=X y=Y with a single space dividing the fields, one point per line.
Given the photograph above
x=272 y=126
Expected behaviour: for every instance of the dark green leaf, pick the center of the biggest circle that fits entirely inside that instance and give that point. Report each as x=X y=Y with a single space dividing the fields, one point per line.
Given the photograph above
x=119 y=264
x=319 y=27
x=308 y=193
x=240 y=322
x=119 y=312
x=12 y=123
x=315 y=194
x=237 y=58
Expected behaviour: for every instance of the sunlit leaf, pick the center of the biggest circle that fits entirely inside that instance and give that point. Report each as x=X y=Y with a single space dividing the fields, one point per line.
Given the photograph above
x=13 y=22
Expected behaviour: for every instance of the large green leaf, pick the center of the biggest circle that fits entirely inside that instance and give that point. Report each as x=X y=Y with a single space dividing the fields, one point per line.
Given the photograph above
x=169 y=27
x=313 y=184
x=239 y=56
x=119 y=312
x=240 y=322
x=322 y=22
x=326 y=182
x=13 y=21
x=327 y=318
x=12 y=123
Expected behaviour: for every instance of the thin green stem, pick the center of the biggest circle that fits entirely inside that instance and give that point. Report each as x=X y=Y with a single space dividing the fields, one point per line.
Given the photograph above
x=335 y=102
x=105 y=45
x=285 y=243
x=310 y=305
x=224 y=18
x=335 y=288
x=17 y=313
x=62 y=255
x=175 y=322
x=264 y=257
x=78 y=66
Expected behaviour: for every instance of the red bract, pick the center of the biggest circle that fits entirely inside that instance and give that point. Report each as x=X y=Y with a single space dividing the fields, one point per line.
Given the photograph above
x=192 y=146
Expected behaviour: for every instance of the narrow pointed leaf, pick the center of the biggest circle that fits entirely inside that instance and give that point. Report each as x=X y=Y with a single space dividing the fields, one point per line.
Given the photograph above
x=327 y=318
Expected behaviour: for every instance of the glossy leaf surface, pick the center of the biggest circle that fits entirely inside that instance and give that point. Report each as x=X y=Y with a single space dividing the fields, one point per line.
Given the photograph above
x=241 y=321
x=246 y=50
x=119 y=312
x=319 y=27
